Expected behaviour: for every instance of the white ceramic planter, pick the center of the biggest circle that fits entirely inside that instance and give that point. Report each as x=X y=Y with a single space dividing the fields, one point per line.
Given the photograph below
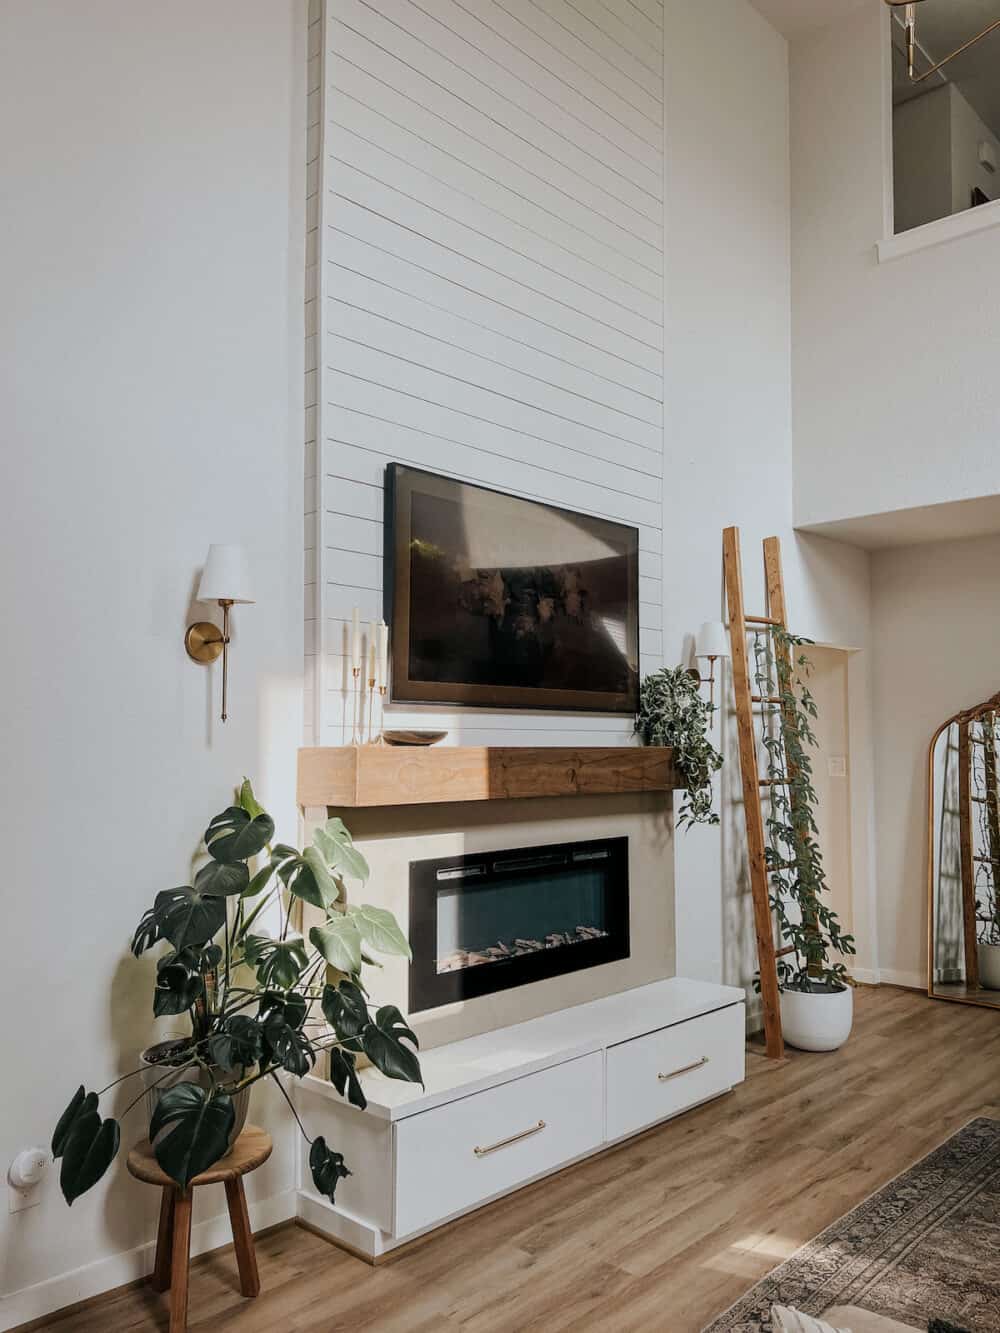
x=156 y=1080
x=817 y=1020
x=989 y=966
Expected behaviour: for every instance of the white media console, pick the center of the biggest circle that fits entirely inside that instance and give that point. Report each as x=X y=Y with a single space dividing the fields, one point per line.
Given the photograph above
x=507 y=1107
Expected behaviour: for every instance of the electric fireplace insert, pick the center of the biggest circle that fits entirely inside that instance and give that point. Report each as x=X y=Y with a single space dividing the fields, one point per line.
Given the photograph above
x=493 y=920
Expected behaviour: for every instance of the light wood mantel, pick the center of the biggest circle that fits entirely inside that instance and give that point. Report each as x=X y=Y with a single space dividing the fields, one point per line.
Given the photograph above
x=362 y=775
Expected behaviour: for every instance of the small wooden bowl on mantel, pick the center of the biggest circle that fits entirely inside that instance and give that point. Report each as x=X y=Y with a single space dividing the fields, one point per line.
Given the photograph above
x=413 y=737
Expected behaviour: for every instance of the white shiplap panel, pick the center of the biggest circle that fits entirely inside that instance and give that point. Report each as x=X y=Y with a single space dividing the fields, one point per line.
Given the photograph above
x=450 y=298
x=566 y=299
x=594 y=429
x=408 y=149
x=490 y=205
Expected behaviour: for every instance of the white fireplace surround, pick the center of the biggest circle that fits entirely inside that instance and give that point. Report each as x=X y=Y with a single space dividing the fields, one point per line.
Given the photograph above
x=390 y=837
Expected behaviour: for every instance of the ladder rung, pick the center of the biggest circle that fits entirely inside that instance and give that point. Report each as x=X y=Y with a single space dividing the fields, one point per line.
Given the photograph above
x=783 y=865
x=766 y=699
x=773 y=782
x=988 y=860
x=763 y=620
x=780 y=953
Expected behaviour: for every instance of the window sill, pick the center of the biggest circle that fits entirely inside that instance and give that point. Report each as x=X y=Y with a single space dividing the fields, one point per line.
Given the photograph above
x=936 y=233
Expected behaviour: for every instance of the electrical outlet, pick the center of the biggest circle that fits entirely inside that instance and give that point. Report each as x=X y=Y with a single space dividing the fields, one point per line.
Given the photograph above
x=26 y=1173
x=836 y=766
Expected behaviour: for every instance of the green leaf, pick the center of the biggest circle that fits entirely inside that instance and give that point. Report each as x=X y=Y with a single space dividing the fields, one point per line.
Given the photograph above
x=339 y=941
x=188 y=918
x=222 y=879
x=201 y=1123
x=308 y=879
x=82 y=1104
x=260 y=881
x=327 y=1167
x=236 y=1042
x=147 y=933
x=334 y=844
x=328 y=887
x=383 y=1043
x=344 y=1008
x=88 y=1151
x=344 y=1076
x=278 y=963
x=249 y=802
x=234 y=836
x=179 y=982
x=380 y=929
x=287 y=1046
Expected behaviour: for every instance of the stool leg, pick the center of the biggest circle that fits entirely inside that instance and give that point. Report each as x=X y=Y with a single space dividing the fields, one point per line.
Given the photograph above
x=181 y=1260
x=160 y=1280
x=242 y=1236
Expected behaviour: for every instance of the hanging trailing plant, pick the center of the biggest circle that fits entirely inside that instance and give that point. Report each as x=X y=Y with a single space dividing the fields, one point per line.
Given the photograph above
x=798 y=889
x=672 y=712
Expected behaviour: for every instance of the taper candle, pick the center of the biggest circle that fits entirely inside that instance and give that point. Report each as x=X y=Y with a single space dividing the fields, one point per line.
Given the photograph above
x=383 y=653
x=355 y=641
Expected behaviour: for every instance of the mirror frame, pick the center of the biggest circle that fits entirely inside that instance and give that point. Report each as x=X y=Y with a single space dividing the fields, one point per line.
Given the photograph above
x=990 y=705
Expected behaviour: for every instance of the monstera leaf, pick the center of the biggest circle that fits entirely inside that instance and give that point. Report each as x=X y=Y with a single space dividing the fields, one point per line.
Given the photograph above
x=383 y=1043
x=180 y=978
x=248 y=801
x=236 y=1042
x=344 y=1076
x=380 y=930
x=306 y=876
x=86 y=1143
x=200 y=1123
x=184 y=916
x=335 y=845
x=278 y=963
x=222 y=879
x=281 y=1019
x=327 y=1167
x=235 y=835
x=82 y=1103
x=339 y=941
x=345 y=1009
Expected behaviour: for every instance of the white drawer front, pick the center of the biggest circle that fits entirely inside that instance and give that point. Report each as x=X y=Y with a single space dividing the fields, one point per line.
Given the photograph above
x=658 y=1075
x=542 y=1121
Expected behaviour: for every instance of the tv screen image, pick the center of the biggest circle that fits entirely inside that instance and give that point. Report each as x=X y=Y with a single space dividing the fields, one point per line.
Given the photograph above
x=498 y=601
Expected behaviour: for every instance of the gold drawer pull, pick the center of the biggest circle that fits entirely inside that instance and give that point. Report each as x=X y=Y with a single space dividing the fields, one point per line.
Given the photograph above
x=665 y=1078
x=514 y=1138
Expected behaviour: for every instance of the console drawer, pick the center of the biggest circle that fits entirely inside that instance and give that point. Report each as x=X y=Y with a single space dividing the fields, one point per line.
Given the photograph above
x=456 y=1156
x=662 y=1073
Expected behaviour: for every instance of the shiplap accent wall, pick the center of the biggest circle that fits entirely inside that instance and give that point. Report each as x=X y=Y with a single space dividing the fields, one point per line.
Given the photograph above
x=486 y=211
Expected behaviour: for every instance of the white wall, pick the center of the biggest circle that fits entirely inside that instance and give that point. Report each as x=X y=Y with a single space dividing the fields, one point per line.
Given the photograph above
x=728 y=441
x=893 y=365
x=492 y=301
x=921 y=159
x=937 y=642
x=152 y=277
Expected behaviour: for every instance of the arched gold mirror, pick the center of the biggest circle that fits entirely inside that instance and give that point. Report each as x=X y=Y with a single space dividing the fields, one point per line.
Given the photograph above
x=963 y=859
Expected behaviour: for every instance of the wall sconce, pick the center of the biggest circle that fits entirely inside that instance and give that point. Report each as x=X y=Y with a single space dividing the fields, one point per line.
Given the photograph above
x=711 y=642
x=224 y=580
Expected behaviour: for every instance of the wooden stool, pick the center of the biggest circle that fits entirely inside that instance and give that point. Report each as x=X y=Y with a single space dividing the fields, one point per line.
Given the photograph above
x=173 y=1239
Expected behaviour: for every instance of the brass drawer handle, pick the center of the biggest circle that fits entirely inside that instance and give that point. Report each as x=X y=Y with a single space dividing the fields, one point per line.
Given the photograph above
x=514 y=1138
x=665 y=1078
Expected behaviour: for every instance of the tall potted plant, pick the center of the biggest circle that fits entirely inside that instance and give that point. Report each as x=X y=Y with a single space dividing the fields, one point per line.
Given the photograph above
x=816 y=998
x=258 y=1004
x=672 y=712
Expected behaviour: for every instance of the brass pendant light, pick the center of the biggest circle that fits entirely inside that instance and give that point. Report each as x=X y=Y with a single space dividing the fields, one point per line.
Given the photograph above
x=909 y=8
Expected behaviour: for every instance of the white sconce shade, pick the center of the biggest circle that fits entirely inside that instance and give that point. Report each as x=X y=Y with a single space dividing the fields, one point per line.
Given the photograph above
x=712 y=640
x=226 y=576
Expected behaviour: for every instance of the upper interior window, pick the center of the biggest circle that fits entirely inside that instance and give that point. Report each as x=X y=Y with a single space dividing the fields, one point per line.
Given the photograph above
x=945 y=129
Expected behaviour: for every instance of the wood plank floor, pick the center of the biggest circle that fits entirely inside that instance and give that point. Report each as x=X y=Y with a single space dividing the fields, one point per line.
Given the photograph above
x=659 y=1234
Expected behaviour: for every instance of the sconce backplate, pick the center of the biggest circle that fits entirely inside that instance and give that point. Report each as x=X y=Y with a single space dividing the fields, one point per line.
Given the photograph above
x=203 y=641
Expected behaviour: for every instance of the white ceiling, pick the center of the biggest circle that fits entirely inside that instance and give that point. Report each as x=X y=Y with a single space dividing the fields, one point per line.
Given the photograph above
x=912 y=527
x=795 y=17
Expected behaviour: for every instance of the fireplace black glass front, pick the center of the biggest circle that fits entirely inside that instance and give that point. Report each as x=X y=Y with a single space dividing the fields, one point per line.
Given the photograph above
x=493 y=920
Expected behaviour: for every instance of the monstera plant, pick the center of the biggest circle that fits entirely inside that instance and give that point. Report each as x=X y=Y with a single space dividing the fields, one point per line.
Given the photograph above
x=259 y=1004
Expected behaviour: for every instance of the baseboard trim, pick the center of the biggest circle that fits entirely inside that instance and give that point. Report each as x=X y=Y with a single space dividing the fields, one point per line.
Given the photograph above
x=22 y=1310
x=866 y=976
x=908 y=980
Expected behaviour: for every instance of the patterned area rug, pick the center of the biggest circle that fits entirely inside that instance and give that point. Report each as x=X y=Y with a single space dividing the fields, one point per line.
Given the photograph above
x=926 y=1245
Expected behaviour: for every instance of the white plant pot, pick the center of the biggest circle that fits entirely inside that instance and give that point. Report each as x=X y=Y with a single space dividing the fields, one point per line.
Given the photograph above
x=817 y=1020
x=989 y=966
x=156 y=1080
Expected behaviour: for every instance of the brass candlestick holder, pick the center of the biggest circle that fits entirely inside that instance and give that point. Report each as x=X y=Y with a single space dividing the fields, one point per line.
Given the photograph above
x=355 y=704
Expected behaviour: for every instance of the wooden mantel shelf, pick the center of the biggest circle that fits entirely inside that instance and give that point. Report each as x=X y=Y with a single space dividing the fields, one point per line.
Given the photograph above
x=373 y=775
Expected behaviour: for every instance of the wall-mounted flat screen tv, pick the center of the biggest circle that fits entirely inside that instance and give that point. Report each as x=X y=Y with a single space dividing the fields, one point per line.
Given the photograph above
x=502 y=602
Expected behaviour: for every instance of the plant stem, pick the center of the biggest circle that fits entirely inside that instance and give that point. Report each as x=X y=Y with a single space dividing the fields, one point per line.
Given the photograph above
x=291 y=1108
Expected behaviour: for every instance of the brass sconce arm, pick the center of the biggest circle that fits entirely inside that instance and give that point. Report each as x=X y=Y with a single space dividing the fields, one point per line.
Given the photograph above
x=909 y=8
x=204 y=643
